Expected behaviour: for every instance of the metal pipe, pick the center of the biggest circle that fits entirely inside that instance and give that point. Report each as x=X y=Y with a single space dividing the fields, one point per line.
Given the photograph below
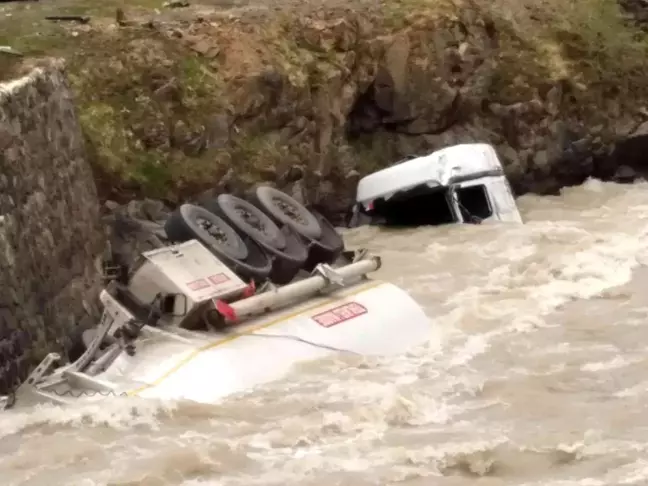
x=281 y=296
x=105 y=360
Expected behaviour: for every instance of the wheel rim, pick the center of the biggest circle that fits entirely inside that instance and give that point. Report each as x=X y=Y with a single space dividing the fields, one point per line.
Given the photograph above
x=252 y=220
x=213 y=230
x=289 y=210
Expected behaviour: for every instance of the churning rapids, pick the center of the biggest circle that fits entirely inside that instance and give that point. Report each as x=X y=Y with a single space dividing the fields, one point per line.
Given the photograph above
x=536 y=374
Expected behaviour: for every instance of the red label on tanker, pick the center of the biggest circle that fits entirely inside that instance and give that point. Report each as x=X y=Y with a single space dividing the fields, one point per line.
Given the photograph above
x=219 y=278
x=198 y=284
x=337 y=315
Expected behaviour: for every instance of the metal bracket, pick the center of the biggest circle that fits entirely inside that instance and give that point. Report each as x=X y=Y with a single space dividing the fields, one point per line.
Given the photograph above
x=360 y=255
x=41 y=370
x=330 y=275
x=30 y=385
x=266 y=286
x=105 y=360
x=106 y=322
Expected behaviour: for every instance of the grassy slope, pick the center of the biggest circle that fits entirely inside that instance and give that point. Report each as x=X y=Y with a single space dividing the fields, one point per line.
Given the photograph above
x=115 y=73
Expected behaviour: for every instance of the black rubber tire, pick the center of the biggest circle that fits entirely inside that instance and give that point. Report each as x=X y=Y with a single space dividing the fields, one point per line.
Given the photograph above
x=183 y=225
x=287 y=261
x=328 y=248
x=240 y=253
x=231 y=207
x=308 y=226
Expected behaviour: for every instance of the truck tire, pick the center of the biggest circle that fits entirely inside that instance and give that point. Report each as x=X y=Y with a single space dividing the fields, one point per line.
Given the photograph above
x=284 y=246
x=286 y=210
x=190 y=222
x=249 y=219
x=327 y=248
x=239 y=253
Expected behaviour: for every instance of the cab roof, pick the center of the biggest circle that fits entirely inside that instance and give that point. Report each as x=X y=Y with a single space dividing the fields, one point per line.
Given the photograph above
x=435 y=169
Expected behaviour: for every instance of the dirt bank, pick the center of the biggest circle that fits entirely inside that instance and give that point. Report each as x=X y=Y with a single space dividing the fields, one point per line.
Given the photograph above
x=221 y=95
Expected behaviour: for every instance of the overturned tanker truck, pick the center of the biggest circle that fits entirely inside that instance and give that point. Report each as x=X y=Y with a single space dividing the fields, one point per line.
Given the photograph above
x=240 y=292
x=243 y=290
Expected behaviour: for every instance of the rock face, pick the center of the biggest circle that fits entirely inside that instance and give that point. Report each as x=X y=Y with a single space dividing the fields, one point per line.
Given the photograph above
x=50 y=235
x=312 y=97
x=637 y=11
x=134 y=228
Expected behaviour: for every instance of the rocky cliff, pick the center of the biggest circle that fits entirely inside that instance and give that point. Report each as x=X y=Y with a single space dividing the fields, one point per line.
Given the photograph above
x=203 y=98
x=51 y=240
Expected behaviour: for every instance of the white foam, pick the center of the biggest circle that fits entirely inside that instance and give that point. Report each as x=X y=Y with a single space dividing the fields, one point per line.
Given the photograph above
x=614 y=363
x=633 y=391
x=635 y=473
x=382 y=419
x=118 y=413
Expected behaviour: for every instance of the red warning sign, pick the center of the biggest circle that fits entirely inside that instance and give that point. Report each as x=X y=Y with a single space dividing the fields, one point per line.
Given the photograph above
x=218 y=279
x=198 y=284
x=337 y=315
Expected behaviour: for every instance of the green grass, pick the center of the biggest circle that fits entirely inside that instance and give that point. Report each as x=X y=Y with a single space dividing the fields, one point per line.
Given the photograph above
x=116 y=75
x=587 y=41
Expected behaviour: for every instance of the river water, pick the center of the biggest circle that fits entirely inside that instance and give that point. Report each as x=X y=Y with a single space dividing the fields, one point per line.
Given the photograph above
x=536 y=374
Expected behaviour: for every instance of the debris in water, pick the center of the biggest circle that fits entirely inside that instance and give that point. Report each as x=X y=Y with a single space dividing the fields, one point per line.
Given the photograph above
x=176 y=4
x=69 y=18
x=10 y=50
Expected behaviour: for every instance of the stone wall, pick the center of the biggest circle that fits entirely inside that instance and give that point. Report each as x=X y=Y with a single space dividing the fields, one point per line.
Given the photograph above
x=51 y=240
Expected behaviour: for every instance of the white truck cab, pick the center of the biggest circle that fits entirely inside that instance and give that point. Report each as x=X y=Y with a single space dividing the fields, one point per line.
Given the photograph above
x=459 y=184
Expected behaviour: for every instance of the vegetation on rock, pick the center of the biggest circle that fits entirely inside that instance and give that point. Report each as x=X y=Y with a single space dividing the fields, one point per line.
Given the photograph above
x=176 y=101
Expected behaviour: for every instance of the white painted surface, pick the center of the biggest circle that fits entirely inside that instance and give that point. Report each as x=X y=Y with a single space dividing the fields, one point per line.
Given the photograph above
x=213 y=367
x=435 y=169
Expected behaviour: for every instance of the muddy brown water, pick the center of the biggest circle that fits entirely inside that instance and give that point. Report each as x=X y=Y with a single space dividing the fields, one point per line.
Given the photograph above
x=536 y=374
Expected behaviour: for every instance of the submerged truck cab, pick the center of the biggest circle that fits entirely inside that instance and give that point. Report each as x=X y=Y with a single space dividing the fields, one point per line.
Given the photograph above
x=459 y=184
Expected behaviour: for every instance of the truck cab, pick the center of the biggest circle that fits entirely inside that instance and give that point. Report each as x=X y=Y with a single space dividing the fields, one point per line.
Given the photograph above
x=458 y=184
